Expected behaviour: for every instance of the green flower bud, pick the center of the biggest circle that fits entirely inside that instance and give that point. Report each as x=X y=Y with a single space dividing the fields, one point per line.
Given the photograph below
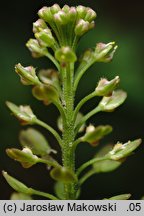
x=63 y=174
x=55 y=8
x=87 y=56
x=46 y=14
x=66 y=9
x=45 y=38
x=82 y=27
x=16 y=185
x=109 y=104
x=106 y=87
x=39 y=25
x=27 y=75
x=23 y=113
x=34 y=140
x=60 y=18
x=105 y=165
x=105 y=52
x=94 y=134
x=90 y=15
x=72 y=13
x=25 y=156
x=120 y=151
x=35 y=48
x=82 y=11
x=65 y=55
x=45 y=93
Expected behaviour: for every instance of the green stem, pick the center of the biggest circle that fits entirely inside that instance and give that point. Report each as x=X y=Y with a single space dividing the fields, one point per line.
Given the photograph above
x=47 y=195
x=86 y=176
x=82 y=102
x=80 y=72
x=88 y=163
x=86 y=117
x=52 y=163
x=49 y=128
x=61 y=109
x=48 y=55
x=68 y=156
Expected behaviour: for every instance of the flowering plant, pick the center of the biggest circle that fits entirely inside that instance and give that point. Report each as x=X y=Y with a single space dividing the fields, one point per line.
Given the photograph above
x=57 y=34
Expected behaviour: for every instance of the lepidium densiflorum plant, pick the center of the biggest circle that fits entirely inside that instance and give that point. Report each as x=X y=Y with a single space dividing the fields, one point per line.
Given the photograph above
x=57 y=34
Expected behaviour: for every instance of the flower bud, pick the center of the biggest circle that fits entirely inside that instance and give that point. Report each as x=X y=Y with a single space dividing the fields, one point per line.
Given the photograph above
x=66 y=9
x=39 y=25
x=25 y=156
x=90 y=15
x=72 y=13
x=105 y=52
x=46 y=14
x=109 y=104
x=55 y=8
x=65 y=55
x=45 y=38
x=63 y=174
x=82 y=11
x=105 y=87
x=60 y=18
x=123 y=150
x=45 y=93
x=23 y=113
x=87 y=56
x=94 y=134
x=36 y=50
x=27 y=75
x=82 y=27
x=34 y=140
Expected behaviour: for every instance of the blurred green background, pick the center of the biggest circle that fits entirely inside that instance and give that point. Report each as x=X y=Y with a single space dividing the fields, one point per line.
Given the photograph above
x=120 y=21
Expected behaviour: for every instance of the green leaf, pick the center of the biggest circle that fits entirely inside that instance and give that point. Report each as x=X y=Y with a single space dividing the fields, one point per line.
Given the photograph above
x=105 y=165
x=45 y=93
x=34 y=140
x=20 y=196
x=15 y=184
x=63 y=174
x=59 y=190
x=94 y=134
x=25 y=156
x=23 y=113
x=120 y=151
x=109 y=104
x=120 y=197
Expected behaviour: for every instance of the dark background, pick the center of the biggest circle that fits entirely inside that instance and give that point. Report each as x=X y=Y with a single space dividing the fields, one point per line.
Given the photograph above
x=120 y=21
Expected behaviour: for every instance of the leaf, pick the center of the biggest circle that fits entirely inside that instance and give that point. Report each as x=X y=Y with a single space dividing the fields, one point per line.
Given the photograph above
x=105 y=165
x=109 y=104
x=120 y=197
x=63 y=174
x=16 y=185
x=94 y=134
x=123 y=150
x=34 y=140
x=20 y=196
